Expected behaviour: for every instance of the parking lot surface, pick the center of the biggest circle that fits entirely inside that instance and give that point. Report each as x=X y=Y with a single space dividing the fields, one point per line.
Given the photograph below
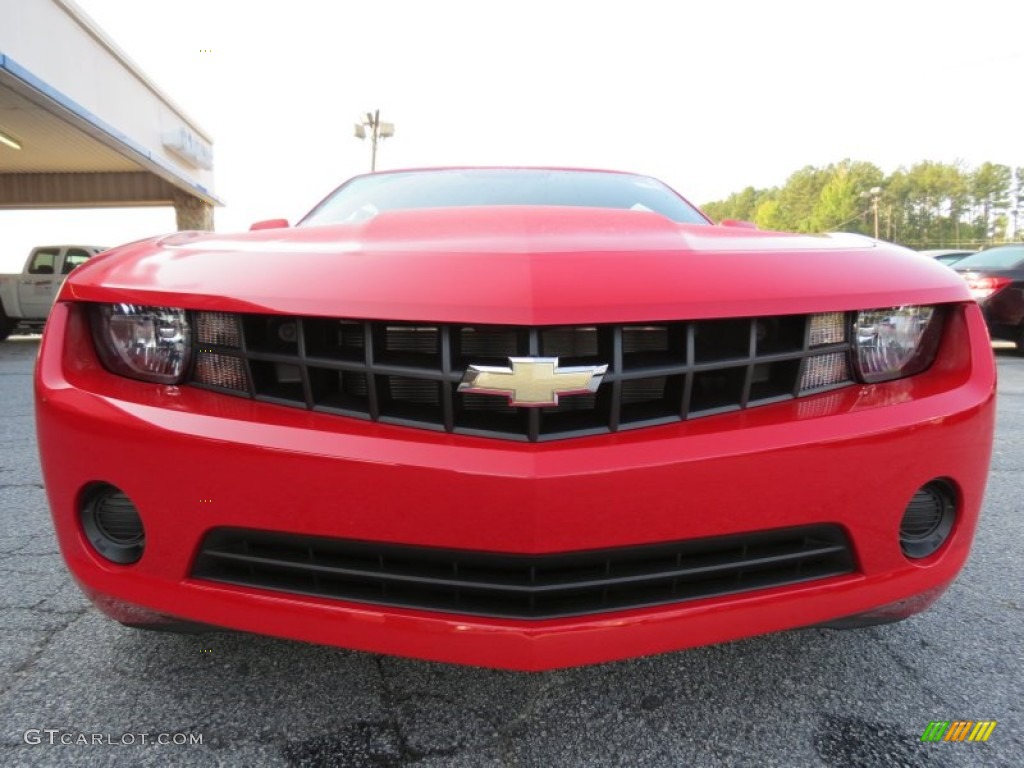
x=78 y=689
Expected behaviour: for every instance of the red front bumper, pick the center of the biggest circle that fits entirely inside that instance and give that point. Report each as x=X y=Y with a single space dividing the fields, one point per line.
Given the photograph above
x=193 y=460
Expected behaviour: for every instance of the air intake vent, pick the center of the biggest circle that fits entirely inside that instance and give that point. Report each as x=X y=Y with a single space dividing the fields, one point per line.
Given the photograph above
x=522 y=586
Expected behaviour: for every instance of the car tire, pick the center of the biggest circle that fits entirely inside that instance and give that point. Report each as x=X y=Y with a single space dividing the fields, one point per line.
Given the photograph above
x=1019 y=339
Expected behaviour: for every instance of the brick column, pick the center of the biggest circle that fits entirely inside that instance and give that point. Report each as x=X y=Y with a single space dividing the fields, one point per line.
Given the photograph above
x=191 y=212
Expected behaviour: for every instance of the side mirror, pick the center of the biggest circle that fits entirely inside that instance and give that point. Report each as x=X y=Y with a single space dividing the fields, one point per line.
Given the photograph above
x=270 y=224
x=738 y=224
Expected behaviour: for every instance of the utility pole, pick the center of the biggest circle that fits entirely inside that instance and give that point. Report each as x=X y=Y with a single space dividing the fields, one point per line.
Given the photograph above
x=875 y=193
x=378 y=131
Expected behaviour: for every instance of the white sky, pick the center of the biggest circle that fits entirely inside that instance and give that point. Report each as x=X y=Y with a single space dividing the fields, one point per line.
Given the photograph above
x=710 y=96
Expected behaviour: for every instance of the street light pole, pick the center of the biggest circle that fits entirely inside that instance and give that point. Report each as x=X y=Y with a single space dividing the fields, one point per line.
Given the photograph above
x=378 y=131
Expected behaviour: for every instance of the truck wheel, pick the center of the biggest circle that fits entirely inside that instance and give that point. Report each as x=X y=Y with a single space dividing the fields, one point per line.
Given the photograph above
x=6 y=325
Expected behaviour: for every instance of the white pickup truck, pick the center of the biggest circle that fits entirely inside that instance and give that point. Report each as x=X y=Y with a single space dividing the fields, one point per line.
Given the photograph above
x=26 y=298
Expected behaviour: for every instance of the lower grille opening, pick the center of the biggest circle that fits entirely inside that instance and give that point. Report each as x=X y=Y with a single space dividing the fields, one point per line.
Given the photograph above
x=522 y=586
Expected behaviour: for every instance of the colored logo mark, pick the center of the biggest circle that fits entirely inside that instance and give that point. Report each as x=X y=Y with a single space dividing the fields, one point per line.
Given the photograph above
x=958 y=730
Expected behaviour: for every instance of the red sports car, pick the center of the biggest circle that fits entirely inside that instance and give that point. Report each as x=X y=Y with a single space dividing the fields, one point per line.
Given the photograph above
x=518 y=418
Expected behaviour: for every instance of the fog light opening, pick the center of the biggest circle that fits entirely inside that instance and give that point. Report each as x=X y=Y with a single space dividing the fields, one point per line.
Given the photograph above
x=112 y=524
x=928 y=519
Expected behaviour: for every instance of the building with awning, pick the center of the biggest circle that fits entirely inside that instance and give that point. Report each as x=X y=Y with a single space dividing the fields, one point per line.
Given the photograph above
x=82 y=126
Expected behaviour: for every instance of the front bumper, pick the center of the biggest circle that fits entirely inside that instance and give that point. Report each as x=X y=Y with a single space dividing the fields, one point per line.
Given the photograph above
x=193 y=461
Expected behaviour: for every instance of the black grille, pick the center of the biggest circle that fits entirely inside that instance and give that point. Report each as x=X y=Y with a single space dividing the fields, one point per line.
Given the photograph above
x=522 y=586
x=118 y=519
x=928 y=519
x=408 y=373
x=924 y=514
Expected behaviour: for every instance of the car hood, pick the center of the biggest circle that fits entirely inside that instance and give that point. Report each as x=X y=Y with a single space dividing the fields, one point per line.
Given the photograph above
x=515 y=265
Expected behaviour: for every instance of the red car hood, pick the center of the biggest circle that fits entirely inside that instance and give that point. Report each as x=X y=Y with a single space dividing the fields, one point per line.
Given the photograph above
x=515 y=265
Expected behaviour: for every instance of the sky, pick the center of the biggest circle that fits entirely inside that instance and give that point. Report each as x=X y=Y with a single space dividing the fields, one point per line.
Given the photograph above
x=710 y=97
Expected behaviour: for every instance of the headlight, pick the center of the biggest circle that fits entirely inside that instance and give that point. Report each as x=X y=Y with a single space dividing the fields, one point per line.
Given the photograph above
x=148 y=343
x=895 y=342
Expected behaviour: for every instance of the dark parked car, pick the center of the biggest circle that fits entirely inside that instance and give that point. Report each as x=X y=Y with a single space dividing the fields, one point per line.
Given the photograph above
x=996 y=279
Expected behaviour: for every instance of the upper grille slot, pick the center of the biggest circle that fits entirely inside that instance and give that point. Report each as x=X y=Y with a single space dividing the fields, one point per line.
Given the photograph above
x=408 y=373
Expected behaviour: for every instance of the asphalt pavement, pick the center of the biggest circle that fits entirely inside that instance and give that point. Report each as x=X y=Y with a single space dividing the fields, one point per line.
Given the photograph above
x=78 y=689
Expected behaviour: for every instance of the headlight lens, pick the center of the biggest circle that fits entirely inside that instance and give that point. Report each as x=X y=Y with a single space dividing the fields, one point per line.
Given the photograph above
x=896 y=342
x=148 y=343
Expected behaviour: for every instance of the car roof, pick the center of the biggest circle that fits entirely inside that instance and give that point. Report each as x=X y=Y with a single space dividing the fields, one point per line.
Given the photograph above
x=69 y=245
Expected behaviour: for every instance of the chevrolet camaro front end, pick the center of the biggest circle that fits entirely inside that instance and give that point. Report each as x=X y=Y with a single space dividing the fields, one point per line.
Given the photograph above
x=515 y=418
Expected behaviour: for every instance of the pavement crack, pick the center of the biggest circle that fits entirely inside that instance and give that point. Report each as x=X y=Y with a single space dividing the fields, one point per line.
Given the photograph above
x=906 y=666
x=511 y=728
x=392 y=717
x=520 y=720
x=29 y=663
x=69 y=612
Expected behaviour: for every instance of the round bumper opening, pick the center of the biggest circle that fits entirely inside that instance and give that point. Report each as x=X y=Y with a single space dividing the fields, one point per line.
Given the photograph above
x=112 y=524
x=928 y=519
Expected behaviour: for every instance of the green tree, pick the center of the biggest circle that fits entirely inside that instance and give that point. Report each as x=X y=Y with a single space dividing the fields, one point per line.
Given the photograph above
x=936 y=197
x=845 y=202
x=990 y=191
x=1017 y=204
x=926 y=205
x=839 y=203
x=799 y=197
x=769 y=215
x=739 y=205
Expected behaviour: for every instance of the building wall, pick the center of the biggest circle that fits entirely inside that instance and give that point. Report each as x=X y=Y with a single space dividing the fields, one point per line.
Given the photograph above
x=58 y=43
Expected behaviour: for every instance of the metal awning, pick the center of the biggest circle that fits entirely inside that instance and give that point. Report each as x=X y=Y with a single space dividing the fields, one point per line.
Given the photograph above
x=88 y=128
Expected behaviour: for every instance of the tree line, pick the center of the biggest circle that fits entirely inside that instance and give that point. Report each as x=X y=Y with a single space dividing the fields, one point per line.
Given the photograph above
x=928 y=205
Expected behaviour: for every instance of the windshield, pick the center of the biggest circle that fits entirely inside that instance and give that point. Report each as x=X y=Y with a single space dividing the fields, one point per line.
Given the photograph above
x=364 y=197
x=993 y=258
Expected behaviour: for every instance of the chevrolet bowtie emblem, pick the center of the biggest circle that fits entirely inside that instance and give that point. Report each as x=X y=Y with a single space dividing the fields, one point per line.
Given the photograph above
x=532 y=381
